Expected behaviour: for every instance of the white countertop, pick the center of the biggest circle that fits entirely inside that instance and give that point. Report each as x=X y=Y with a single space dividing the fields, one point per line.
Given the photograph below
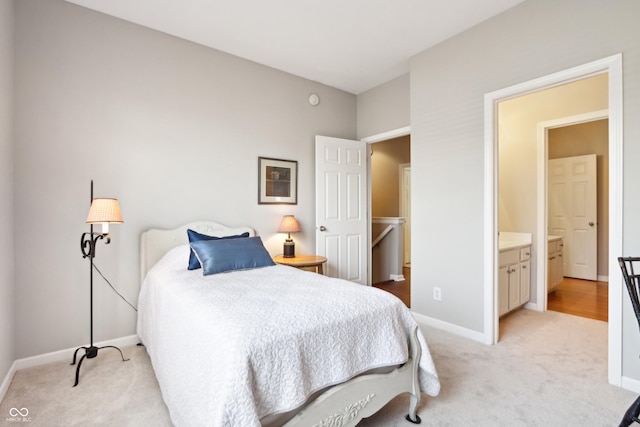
x=552 y=238
x=509 y=240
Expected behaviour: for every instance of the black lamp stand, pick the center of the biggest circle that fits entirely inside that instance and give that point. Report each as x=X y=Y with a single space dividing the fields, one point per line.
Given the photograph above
x=289 y=248
x=88 y=246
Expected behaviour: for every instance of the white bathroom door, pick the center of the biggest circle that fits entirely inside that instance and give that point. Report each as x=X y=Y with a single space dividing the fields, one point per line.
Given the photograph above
x=341 y=207
x=572 y=205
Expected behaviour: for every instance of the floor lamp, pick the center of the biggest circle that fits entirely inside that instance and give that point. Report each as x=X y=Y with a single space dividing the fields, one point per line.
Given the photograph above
x=105 y=212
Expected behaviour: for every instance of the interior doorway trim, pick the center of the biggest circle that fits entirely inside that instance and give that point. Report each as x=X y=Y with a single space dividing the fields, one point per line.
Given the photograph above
x=613 y=66
x=542 y=194
x=391 y=134
x=394 y=133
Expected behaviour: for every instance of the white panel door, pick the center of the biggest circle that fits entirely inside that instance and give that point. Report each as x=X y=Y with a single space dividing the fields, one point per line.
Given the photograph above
x=341 y=207
x=573 y=213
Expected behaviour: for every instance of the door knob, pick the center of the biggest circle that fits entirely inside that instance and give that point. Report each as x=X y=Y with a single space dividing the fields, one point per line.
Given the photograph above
x=323 y=228
x=591 y=224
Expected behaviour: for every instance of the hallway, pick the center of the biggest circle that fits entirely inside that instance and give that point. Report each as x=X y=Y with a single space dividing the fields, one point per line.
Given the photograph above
x=581 y=298
x=400 y=289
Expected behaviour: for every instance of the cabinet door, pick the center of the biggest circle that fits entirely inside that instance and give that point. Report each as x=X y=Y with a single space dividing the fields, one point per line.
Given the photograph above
x=514 y=286
x=560 y=264
x=551 y=272
x=525 y=282
x=503 y=290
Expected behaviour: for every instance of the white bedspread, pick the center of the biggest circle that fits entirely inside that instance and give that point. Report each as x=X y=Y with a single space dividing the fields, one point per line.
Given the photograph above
x=229 y=349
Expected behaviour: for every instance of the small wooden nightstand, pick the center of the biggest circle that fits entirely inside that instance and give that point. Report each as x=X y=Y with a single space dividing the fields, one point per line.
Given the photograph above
x=300 y=261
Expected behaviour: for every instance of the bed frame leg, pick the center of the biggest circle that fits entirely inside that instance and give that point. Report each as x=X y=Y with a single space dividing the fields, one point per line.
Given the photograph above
x=418 y=420
x=413 y=409
x=415 y=351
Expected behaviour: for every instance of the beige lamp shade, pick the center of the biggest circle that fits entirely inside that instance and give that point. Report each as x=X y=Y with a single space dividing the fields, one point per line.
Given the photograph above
x=105 y=212
x=289 y=224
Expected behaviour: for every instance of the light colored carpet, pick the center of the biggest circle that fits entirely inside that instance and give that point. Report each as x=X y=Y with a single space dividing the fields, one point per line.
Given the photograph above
x=549 y=369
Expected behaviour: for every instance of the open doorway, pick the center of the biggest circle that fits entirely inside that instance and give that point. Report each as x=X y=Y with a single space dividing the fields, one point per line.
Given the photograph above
x=613 y=66
x=390 y=216
x=583 y=286
x=556 y=123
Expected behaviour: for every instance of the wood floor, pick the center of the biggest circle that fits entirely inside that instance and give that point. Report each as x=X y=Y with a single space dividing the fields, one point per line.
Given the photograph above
x=581 y=298
x=578 y=297
x=400 y=289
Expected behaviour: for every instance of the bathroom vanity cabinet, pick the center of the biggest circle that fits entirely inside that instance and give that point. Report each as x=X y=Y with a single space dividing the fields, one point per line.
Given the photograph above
x=514 y=278
x=555 y=270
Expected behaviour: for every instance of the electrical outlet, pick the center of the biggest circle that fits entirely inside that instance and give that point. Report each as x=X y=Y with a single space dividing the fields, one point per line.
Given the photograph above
x=437 y=293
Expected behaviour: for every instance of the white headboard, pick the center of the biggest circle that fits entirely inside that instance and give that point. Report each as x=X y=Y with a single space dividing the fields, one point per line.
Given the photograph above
x=154 y=243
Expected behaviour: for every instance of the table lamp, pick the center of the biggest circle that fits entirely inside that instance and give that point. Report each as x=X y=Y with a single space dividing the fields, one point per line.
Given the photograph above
x=289 y=225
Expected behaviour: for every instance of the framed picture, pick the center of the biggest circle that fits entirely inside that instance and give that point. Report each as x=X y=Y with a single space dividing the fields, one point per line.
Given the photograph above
x=277 y=181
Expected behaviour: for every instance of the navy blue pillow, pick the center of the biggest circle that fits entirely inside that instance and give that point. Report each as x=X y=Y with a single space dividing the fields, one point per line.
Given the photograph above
x=219 y=256
x=194 y=236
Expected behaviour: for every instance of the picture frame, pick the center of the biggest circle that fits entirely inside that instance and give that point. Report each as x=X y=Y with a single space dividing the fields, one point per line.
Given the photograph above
x=277 y=181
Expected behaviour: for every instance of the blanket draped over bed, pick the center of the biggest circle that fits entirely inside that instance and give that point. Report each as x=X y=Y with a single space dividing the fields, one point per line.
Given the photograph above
x=229 y=349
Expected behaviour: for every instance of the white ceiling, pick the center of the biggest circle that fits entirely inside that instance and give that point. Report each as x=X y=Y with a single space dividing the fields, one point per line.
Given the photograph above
x=352 y=45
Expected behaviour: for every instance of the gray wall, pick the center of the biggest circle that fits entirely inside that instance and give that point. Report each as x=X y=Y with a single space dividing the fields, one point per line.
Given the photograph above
x=384 y=108
x=448 y=84
x=6 y=188
x=170 y=128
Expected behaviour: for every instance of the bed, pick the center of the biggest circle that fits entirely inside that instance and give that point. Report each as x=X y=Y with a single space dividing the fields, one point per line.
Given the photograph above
x=271 y=345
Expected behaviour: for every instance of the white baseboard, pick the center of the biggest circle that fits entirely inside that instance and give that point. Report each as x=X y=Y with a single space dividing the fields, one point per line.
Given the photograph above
x=630 y=384
x=448 y=327
x=4 y=387
x=396 y=277
x=603 y=279
x=57 y=356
